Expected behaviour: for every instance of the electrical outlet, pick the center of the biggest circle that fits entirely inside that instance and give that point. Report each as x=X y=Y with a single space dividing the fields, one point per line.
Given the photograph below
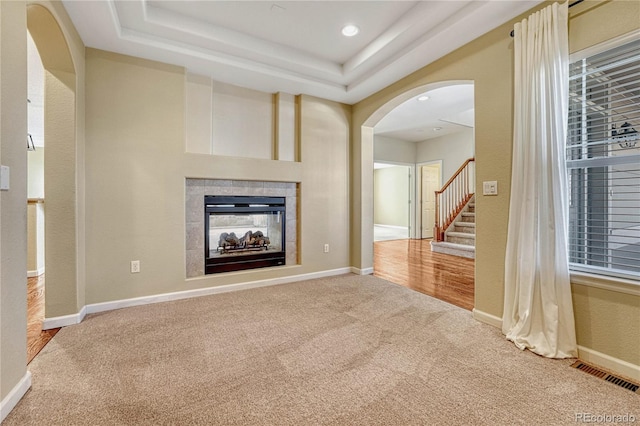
x=326 y=248
x=135 y=266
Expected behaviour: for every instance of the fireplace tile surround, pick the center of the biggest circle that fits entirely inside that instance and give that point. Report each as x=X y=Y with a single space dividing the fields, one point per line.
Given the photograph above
x=195 y=191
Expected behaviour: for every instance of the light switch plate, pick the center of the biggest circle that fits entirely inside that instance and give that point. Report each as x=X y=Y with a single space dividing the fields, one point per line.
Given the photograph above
x=4 y=178
x=490 y=187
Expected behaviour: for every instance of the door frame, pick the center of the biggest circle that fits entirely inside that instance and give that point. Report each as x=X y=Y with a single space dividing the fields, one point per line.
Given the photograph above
x=413 y=234
x=418 y=195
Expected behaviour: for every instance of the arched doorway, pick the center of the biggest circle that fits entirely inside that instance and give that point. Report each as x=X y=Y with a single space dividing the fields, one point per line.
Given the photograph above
x=62 y=183
x=441 y=153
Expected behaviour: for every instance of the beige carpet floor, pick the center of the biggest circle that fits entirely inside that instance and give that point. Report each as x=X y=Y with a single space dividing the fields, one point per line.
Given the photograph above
x=347 y=350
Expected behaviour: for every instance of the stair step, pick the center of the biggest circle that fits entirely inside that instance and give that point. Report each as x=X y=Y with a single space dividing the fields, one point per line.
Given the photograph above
x=465 y=227
x=462 y=250
x=460 y=238
x=466 y=224
x=468 y=217
x=461 y=234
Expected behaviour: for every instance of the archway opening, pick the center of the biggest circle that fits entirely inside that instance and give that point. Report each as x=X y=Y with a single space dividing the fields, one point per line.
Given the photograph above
x=430 y=128
x=59 y=187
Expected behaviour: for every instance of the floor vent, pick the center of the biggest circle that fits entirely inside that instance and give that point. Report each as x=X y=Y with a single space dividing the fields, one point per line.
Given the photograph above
x=595 y=371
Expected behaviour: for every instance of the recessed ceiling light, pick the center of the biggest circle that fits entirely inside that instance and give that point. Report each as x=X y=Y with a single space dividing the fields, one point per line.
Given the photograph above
x=350 y=30
x=437 y=129
x=423 y=98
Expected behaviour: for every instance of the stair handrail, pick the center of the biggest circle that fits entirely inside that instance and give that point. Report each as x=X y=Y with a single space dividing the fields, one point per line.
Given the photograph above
x=451 y=199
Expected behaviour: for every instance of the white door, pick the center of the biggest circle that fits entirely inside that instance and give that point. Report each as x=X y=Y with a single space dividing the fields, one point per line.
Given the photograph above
x=430 y=178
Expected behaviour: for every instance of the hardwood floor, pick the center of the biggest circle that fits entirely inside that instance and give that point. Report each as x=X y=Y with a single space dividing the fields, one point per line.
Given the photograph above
x=411 y=263
x=36 y=337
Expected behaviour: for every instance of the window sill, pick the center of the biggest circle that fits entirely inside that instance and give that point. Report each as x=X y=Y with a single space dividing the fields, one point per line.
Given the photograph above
x=620 y=285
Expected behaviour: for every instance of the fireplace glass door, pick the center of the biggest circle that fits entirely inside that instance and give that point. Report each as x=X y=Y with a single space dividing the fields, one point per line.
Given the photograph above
x=243 y=233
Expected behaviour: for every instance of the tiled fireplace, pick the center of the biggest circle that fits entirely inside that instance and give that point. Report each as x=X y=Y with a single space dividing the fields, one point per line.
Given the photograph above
x=243 y=232
x=235 y=225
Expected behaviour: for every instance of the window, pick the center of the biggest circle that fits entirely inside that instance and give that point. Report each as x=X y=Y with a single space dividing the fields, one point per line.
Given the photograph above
x=603 y=162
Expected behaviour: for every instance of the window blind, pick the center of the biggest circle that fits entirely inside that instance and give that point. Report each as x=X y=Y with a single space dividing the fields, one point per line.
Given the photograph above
x=603 y=162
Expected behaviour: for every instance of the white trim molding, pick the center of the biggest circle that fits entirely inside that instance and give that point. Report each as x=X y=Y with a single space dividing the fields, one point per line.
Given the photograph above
x=364 y=271
x=187 y=294
x=608 y=362
x=606 y=45
x=620 y=285
x=391 y=226
x=35 y=272
x=487 y=318
x=424 y=32
x=64 y=320
x=67 y=320
x=616 y=365
x=16 y=394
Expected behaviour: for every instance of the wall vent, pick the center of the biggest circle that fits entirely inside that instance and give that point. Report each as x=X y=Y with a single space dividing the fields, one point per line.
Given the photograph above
x=602 y=374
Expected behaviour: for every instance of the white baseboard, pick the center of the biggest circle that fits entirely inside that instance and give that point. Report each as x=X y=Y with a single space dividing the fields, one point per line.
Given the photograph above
x=35 y=273
x=487 y=318
x=16 y=394
x=187 y=294
x=364 y=271
x=616 y=365
x=390 y=226
x=608 y=362
x=64 y=320
x=67 y=320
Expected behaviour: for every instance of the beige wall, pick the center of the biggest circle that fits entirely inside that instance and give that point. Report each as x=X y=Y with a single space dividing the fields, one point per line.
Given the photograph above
x=35 y=211
x=35 y=238
x=135 y=187
x=391 y=196
x=198 y=117
x=60 y=188
x=285 y=122
x=242 y=122
x=35 y=175
x=453 y=150
x=487 y=61
x=60 y=46
x=13 y=203
x=223 y=119
x=324 y=152
x=62 y=54
x=393 y=150
x=136 y=170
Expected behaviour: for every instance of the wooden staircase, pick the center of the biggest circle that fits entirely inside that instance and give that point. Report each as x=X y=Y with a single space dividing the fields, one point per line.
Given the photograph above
x=455 y=224
x=460 y=237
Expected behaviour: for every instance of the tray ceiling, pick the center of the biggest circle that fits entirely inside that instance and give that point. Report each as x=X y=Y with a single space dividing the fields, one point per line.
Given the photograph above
x=291 y=46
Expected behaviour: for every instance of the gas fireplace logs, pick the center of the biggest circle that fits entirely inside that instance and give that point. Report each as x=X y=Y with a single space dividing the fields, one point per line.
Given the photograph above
x=250 y=241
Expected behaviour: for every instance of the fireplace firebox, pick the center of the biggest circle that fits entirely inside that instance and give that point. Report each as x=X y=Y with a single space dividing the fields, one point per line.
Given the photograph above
x=243 y=232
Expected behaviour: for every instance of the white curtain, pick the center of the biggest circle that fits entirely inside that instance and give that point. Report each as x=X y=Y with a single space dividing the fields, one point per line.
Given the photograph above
x=538 y=311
